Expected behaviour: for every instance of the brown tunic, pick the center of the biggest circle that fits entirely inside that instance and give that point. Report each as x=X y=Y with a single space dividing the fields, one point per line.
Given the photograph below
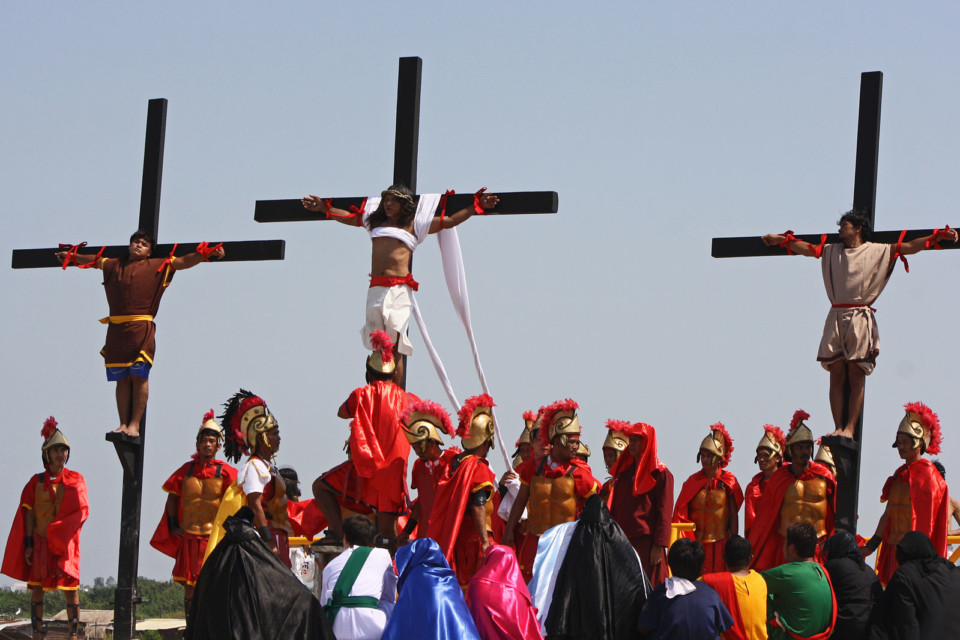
x=132 y=288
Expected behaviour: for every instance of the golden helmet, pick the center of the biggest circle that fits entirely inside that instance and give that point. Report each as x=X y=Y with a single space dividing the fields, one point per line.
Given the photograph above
x=381 y=360
x=424 y=420
x=583 y=451
x=799 y=431
x=773 y=439
x=616 y=436
x=559 y=419
x=923 y=425
x=52 y=437
x=719 y=443
x=825 y=456
x=248 y=420
x=210 y=424
x=476 y=422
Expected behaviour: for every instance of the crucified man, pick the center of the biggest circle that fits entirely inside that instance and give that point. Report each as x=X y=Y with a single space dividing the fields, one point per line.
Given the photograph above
x=855 y=271
x=397 y=226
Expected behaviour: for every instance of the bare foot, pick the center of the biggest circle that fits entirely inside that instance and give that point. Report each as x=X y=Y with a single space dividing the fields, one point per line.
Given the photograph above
x=837 y=432
x=133 y=431
x=121 y=429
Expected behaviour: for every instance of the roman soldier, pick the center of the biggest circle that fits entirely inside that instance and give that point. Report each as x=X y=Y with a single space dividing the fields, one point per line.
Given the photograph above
x=916 y=494
x=252 y=430
x=375 y=474
x=194 y=492
x=613 y=445
x=642 y=499
x=803 y=491
x=769 y=458
x=43 y=548
x=422 y=423
x=711 y=498
x=462 y=520
x=524 y=443
x=553 y=488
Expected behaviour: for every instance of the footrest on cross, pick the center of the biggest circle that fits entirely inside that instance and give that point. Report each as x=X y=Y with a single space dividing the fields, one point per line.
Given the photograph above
x=837 y=443
x=128 y=451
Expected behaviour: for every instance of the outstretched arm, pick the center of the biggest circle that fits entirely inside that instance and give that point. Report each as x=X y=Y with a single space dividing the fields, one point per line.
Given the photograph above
x=319 y=205
x=487 y=201
x=193 y=259
x=77 y=259
x=919 y=244
x=801 y=247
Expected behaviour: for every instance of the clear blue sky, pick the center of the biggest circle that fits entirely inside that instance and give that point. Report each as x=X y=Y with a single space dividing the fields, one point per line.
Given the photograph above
x=661 y=125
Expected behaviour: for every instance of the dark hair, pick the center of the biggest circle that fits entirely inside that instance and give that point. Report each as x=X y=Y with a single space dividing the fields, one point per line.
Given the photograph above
x=407 y=209
x=359 y=531
x=803 y=537
x=686 y=558
x=737 y=553
x=373 y=375
x=290 y=478
x=858 y=218
x=143 y=233
x=940 y=468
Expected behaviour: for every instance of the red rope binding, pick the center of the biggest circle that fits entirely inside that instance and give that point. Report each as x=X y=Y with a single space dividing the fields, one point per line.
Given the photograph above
x=788 y=237
x=71 y=253
x=934 y=241
x=897 y=253
x=443 y=205
x=818 y=250
x=204 y=249
x=169 y=259
x=477 y=207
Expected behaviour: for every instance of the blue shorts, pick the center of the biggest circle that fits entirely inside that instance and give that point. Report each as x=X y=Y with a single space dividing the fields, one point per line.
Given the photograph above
x=140 y=369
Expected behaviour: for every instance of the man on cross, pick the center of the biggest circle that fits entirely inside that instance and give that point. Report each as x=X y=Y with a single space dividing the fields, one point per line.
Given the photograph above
x=397 y=225
x=134 y=285
x=855 y=272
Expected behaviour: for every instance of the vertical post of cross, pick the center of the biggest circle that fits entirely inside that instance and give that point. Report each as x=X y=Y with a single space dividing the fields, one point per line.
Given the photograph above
x=846 y=454
x=131 y=455
x=406 y=144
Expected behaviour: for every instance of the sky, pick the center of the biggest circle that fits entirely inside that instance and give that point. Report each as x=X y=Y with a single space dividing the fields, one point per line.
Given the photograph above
x=660 y=124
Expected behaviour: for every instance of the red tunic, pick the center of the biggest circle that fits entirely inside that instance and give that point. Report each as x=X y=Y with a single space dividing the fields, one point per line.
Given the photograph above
x=644 y=518
x=188 y=550
x=751 y=497
x=61 y=544
x=459 y=540
x=133 y=287
x=929 y=511
x=426 y=476
x=691 y=487
x=766 y=540
x=378 y=446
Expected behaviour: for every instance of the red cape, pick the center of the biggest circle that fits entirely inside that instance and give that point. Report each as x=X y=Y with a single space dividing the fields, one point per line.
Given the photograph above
x=450 y=503
x=767 y=543
x=63 y=534
x=929 y=503
x=162 y=540
x=305 y=518
x=376 y=437
x=693 y=485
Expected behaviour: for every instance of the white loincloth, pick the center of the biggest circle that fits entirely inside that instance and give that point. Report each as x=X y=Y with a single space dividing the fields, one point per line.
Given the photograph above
x=388 y=309
x=853 y=277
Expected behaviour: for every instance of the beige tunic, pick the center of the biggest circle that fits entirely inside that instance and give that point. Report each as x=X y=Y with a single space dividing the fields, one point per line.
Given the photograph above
x=853 y=277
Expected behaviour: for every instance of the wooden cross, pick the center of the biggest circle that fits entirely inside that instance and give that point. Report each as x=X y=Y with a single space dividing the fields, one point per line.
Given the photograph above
x=405 y=169
x=130 y=451
x=846 y=454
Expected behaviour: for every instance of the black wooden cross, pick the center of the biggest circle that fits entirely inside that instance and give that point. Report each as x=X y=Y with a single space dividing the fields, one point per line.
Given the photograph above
x=405 y=168
x=129 y=451
x=846 y=455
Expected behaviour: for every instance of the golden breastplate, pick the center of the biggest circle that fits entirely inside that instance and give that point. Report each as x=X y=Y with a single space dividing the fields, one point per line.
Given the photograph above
x=710 y=512
x=899 y=513
x=278 y=506
x=44 y=509
x=199 y=502
x=552 y=501
x=805 y=501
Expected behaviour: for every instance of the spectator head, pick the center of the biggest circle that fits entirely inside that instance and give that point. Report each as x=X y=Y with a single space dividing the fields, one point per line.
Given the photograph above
x=940 y=469
x=359 y=531
x=843 y=544
x=801 y=543
x=737 y=553
x=686 y=559
x=915 y=545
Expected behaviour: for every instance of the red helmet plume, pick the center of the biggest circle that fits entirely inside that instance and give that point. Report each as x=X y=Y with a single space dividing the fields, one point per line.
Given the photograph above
x=547 y=414
x=798 y=416
x=381 y=342
x=49 y=426
x=777 y=434
x=727 y=442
